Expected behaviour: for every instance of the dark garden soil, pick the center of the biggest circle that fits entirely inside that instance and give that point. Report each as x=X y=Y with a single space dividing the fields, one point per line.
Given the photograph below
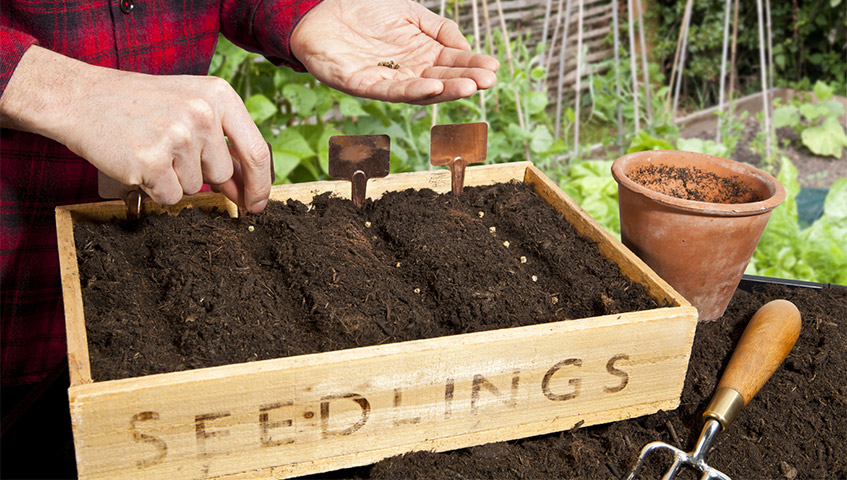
x=691 y=183
x=795 y=428
x=196 y=290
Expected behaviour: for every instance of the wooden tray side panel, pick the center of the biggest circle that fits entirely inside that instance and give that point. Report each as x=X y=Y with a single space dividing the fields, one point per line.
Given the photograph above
x=631 y=266
x=78 y=361
x=291 y=417
x=437 y=180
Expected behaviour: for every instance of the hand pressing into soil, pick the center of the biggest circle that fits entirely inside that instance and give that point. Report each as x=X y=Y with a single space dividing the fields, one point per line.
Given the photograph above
x=392 y=50
x=166 y=134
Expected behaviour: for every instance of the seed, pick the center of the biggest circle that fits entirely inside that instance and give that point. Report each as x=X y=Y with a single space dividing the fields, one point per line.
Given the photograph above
x=534 y=278
x=417 y=290
x=506 y=244
x=492 y=229
x=481 y=214
x=523 y=259
x=367 y=224
x=251 y=228
x=398 y=265
x=555 y=300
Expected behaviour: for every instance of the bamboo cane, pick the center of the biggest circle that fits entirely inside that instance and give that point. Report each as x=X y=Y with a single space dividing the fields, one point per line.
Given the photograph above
x=770 y=41
x=617 y=71
x=687 y=22
x=489 y=38
x=634 y=68
x=686 y=16
x=548 y=46
x=518 y=108
x=561 y=85
x=577 y=94
x=764 y=69
x=646 y=75
x=555 y=34
x=442 y=10
x=478 y=47
x=723 y=69
x=732 y=69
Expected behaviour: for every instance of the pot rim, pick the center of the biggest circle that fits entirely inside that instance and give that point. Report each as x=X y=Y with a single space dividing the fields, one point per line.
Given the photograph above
x=624 y=164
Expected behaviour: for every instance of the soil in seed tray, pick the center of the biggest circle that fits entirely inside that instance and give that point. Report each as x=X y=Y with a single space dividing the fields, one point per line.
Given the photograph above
x=795 y=428
x=691 y=183
x=170 y=293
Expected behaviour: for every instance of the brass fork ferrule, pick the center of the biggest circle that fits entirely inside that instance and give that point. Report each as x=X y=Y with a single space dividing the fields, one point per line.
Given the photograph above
x=725 y=405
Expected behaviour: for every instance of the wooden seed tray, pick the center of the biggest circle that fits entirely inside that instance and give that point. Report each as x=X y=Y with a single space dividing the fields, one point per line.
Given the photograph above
x=314 y=413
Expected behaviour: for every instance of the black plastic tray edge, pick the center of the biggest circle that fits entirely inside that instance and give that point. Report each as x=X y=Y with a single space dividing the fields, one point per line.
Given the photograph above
x=748 y=282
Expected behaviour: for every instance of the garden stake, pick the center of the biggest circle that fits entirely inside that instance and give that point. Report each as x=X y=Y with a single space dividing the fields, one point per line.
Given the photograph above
x=458 y=145
x=615 y=7
x=765 y=343
x=358 y=158
x=633 y=66
x=648 y=99
x=133 y=196
x=723 y=69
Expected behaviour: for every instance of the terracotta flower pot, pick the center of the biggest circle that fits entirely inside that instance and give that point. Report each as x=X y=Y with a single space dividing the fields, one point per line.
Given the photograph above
x=700 y=247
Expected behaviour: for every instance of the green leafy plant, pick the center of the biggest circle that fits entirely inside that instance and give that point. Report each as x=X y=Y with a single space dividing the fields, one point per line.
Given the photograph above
x=817 y=122
x=817 y=253
x=591 y=185
x=709 y=147
x=644 y=141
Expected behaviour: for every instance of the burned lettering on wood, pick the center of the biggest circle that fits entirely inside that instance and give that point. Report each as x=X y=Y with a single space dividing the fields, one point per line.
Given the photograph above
x=610 y=367
x=448 y=398
x=159 y=444
x=265 y=425
x=363 y=404
x=398 y=400
x=202 y=434
x=480 y=381
x=575 y=382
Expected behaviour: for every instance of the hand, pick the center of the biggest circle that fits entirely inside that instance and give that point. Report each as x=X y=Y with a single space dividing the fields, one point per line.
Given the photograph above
x=342 y=42
x=165 y=134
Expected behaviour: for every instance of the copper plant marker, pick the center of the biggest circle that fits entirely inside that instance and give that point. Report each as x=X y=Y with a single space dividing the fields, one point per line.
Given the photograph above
x=458 y=145
x=358 y=158
x=133 y=196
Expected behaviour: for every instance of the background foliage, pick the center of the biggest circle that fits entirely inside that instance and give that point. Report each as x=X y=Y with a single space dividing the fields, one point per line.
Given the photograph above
x=809 y=43
x=297 y=115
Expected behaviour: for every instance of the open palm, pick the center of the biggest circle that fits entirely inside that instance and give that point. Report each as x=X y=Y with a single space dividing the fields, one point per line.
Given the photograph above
x=343 y=42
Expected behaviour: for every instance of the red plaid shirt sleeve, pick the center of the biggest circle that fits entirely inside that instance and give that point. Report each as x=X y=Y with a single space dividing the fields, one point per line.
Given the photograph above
x=13 y=44
x=162 y=37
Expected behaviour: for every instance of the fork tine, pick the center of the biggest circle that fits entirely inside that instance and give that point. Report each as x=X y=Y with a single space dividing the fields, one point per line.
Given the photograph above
x=635 y=469
x=671 y=473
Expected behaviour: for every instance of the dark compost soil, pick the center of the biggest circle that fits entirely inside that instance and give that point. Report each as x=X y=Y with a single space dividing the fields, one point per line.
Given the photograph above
x=196 y=290
x=691 y=183
x=796 y=427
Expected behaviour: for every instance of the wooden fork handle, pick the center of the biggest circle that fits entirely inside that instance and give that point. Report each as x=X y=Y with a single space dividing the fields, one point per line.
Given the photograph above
x=768 y=338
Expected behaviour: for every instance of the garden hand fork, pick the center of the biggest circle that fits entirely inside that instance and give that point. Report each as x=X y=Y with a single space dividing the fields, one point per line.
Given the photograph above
x=765 y=343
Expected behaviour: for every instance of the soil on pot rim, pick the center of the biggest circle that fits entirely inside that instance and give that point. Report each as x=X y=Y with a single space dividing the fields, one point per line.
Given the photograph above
x=170 y=293
x=692 y=183
x=796 y=427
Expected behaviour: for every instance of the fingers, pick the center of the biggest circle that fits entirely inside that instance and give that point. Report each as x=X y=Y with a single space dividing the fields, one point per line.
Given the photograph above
x=248 y=147
x=444 y=31
x=451 y=57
